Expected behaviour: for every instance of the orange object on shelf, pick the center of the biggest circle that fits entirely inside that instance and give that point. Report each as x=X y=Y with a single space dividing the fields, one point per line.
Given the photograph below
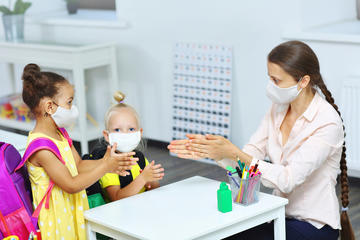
x=6 y=111
x=13 y=107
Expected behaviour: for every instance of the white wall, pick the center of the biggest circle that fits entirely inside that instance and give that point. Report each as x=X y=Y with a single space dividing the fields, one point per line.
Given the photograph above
x=320 y=12
x=253 y=28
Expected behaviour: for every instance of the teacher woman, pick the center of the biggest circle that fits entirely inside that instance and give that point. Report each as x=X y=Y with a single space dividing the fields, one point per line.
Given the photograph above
x=303 y=137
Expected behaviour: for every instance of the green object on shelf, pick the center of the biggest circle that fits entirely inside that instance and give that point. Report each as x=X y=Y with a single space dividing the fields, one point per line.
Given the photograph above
x=224 y=198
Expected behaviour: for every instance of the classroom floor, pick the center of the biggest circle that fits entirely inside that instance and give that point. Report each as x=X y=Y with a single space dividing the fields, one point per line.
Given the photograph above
x=177 y=169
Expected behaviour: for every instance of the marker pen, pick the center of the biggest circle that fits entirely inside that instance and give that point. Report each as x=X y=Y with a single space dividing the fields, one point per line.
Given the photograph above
x=233 y=179
x=238 y=172
x=256 y=166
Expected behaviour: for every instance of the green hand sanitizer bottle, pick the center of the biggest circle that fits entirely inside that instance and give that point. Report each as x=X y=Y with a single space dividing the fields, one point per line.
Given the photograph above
x=224 y=198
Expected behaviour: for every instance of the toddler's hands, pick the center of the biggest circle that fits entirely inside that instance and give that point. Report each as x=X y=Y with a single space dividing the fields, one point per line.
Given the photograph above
x=152 y=172
x=119 y=162
x=122 y=173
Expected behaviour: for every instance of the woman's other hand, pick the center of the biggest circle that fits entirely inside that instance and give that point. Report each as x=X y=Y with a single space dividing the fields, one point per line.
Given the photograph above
x=211 y=146
x=179 y=147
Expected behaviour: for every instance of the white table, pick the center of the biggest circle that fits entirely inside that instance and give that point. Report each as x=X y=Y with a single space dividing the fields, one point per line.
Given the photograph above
x=15 y=139
x=182 y=210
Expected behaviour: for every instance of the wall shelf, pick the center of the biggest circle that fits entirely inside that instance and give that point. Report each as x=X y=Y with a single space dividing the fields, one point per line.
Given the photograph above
x=76 y=58
x=83 y=18
x=92 y=131
x=339 y=32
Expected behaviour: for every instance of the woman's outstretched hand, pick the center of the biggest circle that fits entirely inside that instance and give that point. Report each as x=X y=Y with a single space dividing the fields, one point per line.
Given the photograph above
x=180 y=147
x=211 y=146
x=199 y=146
x=207 y=146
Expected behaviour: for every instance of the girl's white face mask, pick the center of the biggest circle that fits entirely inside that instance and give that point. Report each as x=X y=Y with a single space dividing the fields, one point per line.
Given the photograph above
x=126 y=142
x=282 y=96
x=65 y=118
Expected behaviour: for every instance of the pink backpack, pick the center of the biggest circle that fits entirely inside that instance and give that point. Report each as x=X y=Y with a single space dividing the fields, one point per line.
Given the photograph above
x=16 y=215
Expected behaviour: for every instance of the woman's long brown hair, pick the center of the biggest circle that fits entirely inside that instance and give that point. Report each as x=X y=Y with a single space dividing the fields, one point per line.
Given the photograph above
x=298 y=60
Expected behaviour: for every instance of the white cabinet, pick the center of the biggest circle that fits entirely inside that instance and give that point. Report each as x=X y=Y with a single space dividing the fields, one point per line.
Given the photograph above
x=77 y=59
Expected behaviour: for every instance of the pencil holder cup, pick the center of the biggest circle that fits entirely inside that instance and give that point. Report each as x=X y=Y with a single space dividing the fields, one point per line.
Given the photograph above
x=245 y=191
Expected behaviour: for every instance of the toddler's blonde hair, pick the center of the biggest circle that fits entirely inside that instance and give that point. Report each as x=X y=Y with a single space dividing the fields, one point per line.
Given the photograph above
x=119 y=98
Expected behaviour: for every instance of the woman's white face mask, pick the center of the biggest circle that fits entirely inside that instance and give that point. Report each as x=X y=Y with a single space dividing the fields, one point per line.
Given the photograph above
x=126 y=142
x=280 y=95
x=65 y=118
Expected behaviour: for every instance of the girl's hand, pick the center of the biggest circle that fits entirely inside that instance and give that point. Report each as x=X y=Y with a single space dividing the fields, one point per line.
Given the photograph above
x=123 y=173
x=152 y=172
x=119 y=162
x=179 y=147
x=210 y=146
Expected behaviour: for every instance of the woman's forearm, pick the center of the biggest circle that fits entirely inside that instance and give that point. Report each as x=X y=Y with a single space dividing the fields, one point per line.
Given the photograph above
x=238 y=154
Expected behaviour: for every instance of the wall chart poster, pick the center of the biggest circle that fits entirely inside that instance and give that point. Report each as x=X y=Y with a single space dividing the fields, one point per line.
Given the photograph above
x=201 y=89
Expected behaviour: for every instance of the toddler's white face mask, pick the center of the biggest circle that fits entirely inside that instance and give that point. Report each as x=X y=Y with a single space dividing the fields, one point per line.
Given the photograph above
x=126 y=142
x=65 y=117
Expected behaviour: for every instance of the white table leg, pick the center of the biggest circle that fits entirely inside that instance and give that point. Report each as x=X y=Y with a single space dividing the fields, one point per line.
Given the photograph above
x=113 y=73
x=79 y=81
x=11 y=71
x=90 y=235
x=279 y=225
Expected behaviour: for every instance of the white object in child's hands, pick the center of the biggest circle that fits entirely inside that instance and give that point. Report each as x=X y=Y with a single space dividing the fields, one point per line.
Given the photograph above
x=126 y=142
x=65 y=118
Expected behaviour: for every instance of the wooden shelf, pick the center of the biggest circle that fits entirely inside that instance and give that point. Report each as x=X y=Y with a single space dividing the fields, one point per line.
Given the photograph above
x=83 y=18
x=92 y=132
x=10 y=123
x=77 y=59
